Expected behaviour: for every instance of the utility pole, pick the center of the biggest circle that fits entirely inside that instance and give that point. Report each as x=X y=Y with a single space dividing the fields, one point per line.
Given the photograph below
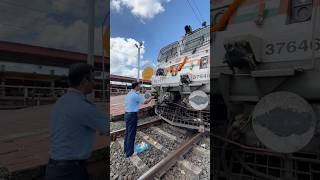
x=91 y=25
x=139 y=47
x=103 y=79
x=103 y=54
x=90 y=58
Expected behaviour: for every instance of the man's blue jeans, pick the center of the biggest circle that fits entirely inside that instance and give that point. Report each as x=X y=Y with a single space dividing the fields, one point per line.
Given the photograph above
x=130 y=134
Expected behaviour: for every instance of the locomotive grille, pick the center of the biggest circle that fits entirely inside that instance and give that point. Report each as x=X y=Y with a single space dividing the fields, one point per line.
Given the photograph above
x=297 y=166
x=182 y=116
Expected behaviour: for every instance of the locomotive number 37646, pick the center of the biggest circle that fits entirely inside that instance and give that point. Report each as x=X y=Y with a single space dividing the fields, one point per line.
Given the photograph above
x=292 y=46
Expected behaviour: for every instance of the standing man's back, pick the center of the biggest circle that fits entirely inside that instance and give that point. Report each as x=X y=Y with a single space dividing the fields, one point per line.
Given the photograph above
x=73 y=124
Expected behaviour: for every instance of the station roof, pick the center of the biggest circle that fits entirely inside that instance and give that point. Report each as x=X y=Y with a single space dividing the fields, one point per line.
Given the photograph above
x=36 y=53
x=126 y=79
x=26 y=49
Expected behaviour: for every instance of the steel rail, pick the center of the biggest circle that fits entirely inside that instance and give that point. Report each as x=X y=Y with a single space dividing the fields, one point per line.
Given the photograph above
x=165 y=164
x=120 y=132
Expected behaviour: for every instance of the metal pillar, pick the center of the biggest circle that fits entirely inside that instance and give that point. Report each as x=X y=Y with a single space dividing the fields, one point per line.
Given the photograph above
x=288 y=165
x=25 y=96
x=139 y=46
x=103 y=53
x=2 y=73
x=91 y=25
x=52 y=88
x=3 y=89
x=103 y=78
x=138 y=63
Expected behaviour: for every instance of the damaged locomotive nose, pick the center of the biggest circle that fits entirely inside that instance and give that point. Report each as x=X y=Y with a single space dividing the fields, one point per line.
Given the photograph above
x=182 y=80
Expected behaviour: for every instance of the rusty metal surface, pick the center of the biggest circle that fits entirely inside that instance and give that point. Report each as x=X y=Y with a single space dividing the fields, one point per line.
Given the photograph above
x=171 y=159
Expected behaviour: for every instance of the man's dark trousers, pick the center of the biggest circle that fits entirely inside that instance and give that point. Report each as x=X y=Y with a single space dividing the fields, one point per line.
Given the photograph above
x=66 y=170
x=131 y=119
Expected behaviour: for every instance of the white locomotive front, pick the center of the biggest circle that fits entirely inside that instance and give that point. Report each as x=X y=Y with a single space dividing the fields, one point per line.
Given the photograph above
x=182 y=80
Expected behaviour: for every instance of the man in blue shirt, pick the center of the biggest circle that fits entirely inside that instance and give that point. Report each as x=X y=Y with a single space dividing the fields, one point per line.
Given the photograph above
x=132 y=102
x=73 y=124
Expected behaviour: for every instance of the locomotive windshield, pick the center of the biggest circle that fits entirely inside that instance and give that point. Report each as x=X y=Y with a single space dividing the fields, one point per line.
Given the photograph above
x=168 y=52
x=196 y=40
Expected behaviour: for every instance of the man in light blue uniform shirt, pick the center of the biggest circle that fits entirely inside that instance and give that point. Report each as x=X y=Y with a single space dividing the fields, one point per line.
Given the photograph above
x=73 y=124
x=132 y=102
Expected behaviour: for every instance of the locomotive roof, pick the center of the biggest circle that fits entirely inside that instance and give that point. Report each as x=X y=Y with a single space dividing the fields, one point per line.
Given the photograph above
x=185 y=36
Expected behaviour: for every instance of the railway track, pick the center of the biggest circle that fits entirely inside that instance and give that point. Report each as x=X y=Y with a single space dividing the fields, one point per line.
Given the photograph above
x=174 y=153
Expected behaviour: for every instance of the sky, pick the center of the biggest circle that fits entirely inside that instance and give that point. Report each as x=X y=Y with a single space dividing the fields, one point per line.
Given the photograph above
x=157 y=23
x=59 y=24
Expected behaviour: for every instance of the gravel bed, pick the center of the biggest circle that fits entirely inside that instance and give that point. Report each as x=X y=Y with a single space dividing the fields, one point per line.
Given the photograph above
x=164 y=141
x=173 y=130
x=151 y=156
x=117 y=125
x=205 y=142
x=121 y=167
x=177 y=173
x=200 y=161
x=174 y=173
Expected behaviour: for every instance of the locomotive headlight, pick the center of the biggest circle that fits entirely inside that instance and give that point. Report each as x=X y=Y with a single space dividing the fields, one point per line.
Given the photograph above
x=218 y=14
x=300 y=10
x=303 y=13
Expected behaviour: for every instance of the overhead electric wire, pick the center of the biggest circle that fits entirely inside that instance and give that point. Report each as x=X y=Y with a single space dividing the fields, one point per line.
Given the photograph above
x=194 y=12
x=195 y=4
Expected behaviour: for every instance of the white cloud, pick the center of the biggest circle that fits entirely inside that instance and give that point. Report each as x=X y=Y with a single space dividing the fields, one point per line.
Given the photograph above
x=125 y=71
x=123 y=57
x=144 y=9
x=56 y=24
x=71 y=37
x=124 y=51
x=116 y=5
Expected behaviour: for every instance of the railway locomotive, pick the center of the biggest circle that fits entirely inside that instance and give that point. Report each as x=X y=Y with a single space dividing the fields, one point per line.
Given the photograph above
x=182 y=80
x=265 y=74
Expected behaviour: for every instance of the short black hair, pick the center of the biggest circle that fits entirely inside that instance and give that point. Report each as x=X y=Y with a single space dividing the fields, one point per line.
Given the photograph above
x=135 y=84
x=77 y=72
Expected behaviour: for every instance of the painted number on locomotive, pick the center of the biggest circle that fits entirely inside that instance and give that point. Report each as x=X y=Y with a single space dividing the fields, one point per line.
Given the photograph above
x=291 y=46
x=200 y=76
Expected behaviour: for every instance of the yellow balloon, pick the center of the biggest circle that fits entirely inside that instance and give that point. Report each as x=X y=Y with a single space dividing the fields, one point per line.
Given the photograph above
x=147 y=73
